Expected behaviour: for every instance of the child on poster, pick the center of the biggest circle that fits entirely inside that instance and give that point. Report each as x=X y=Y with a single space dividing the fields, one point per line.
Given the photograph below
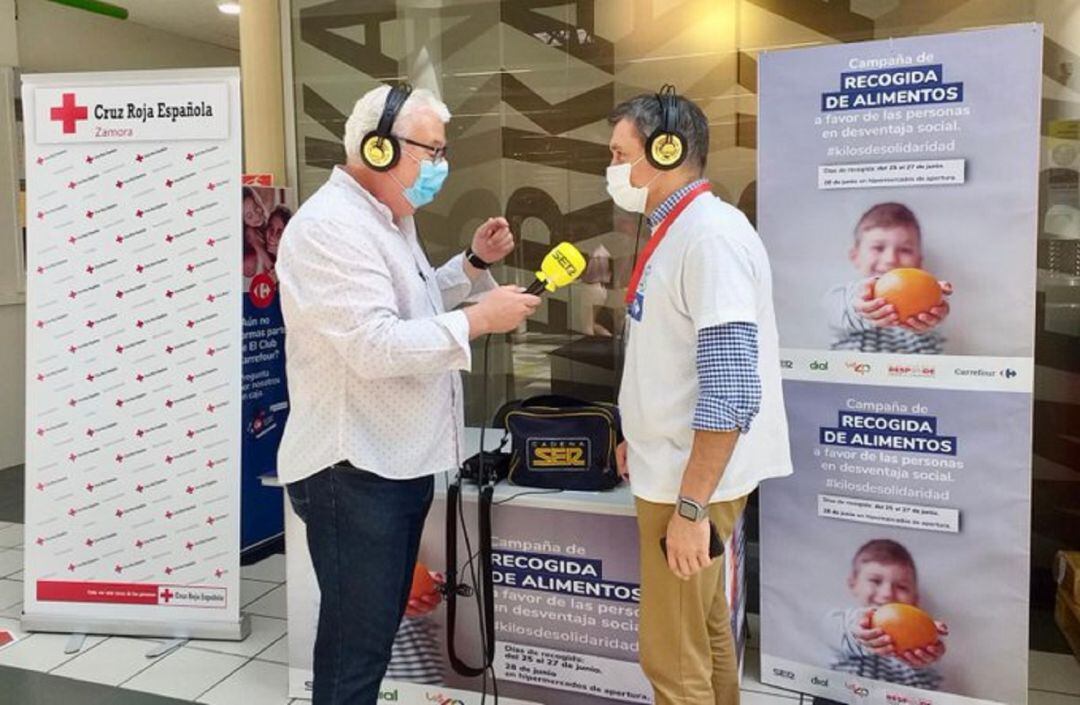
x=887 y=237
x=882 y=572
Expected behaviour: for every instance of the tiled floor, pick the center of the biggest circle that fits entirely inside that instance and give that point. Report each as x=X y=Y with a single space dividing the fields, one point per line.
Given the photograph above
x=116 y=671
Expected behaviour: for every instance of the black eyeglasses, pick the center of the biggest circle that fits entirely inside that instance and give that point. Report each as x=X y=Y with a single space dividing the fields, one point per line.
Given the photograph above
x=437 y=153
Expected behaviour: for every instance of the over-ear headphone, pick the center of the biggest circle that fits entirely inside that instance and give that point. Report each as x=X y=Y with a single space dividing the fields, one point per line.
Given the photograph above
x=379 y=149
x=666 y=147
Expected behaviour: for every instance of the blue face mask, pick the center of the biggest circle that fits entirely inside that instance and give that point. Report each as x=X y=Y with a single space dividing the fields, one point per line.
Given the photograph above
x=427 y=183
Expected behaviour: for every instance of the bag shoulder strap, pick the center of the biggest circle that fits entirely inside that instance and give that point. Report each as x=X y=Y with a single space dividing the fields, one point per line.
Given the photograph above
x=555 y=400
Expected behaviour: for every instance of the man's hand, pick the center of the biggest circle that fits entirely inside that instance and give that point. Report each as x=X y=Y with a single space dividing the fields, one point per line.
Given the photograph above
x=878 y=311
x=493 y=240
x=927 y=321
x=620 y=461
x=687 y=546
x=874 y=639
x=500 y=310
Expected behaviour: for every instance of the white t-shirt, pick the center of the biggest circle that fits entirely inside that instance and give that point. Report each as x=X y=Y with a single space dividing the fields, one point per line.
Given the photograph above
x=711 y=268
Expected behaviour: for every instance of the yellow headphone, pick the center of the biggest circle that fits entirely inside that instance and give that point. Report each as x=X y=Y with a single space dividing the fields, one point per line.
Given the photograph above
x=666 y=147
x=379 y=149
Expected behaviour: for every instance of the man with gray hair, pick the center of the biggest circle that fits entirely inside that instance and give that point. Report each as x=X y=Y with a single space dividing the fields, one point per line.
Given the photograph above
x=701 y=400
x=374 y=350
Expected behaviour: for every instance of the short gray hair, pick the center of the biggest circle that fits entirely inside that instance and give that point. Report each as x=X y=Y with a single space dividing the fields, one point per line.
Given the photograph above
x=367 y=111
x=645 y=112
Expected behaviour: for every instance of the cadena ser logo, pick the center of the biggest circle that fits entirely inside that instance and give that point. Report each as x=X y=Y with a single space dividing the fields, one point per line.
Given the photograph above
x=558 y=453
x=564 y=262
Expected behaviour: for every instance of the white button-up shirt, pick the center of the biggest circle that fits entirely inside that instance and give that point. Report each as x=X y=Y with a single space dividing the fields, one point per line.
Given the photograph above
x=372 y=353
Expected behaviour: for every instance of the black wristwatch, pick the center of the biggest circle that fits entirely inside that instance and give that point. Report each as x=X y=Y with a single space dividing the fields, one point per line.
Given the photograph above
x=474 y=259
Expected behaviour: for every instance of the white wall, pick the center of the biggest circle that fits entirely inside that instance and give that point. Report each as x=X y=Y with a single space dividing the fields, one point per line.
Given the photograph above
x=56 y=38
x=53 y=38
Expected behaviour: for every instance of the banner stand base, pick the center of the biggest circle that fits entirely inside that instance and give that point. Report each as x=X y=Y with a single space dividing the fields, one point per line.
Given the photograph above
x=64 y=624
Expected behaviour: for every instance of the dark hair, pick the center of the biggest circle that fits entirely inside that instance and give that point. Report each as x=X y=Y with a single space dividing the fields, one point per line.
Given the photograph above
x=247 y=192
x=281 y=212
x=884 y=551
x=888 y=215
x=646 y=113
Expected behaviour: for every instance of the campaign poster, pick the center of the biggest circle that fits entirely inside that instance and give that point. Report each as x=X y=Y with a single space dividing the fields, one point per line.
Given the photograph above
x=566 y=605
x=898 y=201
x=133 y=360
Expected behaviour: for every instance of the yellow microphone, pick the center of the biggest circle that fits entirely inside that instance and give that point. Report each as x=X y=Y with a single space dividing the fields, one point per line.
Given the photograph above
x=560 y=267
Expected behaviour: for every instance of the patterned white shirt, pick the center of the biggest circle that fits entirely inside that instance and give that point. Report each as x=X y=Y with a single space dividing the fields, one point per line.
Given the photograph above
x=373 y=347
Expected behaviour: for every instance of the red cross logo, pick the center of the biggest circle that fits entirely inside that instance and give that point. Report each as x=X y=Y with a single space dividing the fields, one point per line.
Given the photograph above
x=68 y=113
x=167 y=594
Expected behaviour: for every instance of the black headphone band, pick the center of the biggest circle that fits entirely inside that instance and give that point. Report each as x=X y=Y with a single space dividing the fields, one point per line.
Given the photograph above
x=669 y=113
x=396 y=98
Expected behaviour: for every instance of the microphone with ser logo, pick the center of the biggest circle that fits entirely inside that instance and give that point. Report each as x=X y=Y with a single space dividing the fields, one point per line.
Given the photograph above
x=562 y=266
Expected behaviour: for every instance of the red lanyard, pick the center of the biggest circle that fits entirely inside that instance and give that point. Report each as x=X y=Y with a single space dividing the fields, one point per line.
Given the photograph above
x=658 y=235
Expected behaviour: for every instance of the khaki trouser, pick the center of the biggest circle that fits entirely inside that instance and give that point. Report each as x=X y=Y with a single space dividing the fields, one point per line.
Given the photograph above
x=687 y=650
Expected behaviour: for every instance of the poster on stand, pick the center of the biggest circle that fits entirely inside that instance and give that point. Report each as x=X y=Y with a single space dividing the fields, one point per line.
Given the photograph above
x=566 y=605
x=898 y=199
x=266 y=212
x=133 y=361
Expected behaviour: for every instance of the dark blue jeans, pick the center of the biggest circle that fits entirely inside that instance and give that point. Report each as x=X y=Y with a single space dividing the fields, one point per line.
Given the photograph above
x=363 y=533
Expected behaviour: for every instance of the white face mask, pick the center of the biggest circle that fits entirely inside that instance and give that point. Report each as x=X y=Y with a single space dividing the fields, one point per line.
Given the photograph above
x=628 y=197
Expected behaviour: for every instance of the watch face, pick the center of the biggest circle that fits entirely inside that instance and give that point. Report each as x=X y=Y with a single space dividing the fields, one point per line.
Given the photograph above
x=688 y=511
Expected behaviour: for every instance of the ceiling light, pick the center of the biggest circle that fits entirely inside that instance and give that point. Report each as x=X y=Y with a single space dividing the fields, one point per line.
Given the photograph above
x=229 y=8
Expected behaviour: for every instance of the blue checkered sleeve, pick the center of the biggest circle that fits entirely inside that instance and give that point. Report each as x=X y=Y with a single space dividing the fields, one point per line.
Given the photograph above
x=729 y=386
